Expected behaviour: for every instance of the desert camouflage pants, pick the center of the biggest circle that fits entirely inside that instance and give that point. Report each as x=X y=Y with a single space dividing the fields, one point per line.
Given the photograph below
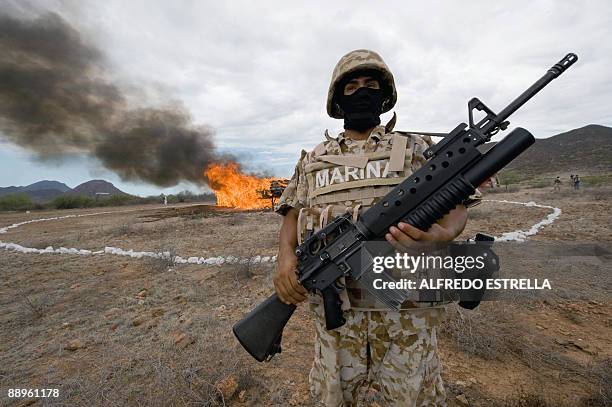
x=392 y=353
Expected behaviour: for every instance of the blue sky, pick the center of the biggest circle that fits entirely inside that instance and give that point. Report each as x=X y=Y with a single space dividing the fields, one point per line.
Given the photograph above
x=258 y=74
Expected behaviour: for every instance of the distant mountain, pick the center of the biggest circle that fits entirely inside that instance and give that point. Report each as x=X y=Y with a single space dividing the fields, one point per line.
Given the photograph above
x=44 y=191
x=586 y=151
x=47 y=185
x=41 y=191
x=96 y=186
x=9 y=190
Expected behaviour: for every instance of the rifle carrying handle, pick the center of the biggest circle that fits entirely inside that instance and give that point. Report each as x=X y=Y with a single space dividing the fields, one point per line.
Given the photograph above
x=333 y=308
x=260 y=331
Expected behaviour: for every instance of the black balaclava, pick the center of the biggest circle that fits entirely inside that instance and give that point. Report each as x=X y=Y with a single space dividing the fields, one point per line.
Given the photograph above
x=362 y=108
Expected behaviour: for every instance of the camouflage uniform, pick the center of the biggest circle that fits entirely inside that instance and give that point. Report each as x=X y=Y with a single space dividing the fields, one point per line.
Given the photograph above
x=394 y=352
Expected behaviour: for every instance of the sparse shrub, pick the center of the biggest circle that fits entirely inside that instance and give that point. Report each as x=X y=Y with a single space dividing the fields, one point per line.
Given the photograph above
x=188 y=196
x=125 y=229
x=15 y=202
x=541 y=183
x=478 y=213
x=116 y=200
x=596 y=180
x=184 y=196
x=246 y=268
x=510 y=177
x=151 y=199
x=72 y=202
x=602 y=396
x=237 y=219
x=195 y=216
x=172 y=199
x=162 y=264
x=501 y=189
x=472 y=330
x=524 y=399
x=280 y=397
x=601 y=194
x=35 y=307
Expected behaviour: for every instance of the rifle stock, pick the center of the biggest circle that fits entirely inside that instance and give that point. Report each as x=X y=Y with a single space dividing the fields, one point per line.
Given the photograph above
x=261 y=330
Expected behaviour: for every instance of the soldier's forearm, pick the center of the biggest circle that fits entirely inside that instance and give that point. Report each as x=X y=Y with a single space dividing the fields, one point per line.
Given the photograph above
x=288 y=234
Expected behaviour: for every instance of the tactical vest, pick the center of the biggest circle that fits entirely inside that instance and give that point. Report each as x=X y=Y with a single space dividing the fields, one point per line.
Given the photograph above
x=346 y=177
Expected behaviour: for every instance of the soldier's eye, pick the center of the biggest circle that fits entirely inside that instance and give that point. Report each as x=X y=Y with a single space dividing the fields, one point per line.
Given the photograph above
x=350 y=89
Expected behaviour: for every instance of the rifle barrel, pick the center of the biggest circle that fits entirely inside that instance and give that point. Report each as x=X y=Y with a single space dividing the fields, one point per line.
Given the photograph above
x=556 y=70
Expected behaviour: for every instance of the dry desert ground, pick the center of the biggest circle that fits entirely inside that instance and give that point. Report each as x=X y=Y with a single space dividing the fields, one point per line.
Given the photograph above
x=114 y=330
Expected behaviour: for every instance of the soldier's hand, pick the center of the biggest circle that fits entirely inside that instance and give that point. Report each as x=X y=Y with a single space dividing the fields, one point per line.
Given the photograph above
x=286 y=282
x=447 y=229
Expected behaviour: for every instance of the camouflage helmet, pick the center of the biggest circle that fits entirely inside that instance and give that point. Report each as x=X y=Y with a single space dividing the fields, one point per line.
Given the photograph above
x=360 y=60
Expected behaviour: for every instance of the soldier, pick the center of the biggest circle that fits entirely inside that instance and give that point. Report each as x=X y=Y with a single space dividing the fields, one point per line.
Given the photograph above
x=393 y=353
x=557 y=185
x=576 y=182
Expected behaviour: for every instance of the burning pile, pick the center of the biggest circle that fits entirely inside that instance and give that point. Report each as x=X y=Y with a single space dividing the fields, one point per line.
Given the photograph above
x=234 y=188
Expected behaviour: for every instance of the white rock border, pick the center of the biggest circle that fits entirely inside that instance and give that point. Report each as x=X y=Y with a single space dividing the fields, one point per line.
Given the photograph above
x=521 y=235
x=121 y=252
x=517 y=235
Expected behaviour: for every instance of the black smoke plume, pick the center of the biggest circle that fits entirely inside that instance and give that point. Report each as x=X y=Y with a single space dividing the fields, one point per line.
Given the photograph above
x=57 y=98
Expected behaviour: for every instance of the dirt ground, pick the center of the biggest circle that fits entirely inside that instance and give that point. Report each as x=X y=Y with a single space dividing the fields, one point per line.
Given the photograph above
x=114 y=330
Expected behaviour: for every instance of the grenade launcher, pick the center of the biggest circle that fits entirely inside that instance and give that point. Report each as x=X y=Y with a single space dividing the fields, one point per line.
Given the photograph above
x=455 y=167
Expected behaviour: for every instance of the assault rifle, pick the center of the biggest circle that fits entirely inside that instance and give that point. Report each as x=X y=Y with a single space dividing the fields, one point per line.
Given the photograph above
x=455 y=167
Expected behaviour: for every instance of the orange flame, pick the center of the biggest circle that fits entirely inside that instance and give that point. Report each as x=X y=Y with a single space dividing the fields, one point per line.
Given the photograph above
x=236 y=189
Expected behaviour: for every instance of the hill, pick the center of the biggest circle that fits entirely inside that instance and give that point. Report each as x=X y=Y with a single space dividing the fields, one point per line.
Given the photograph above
x=10 y=190
x=97 y=186
x=45 y=191
x=47 y=185
x=584 y=150
x=41 y=191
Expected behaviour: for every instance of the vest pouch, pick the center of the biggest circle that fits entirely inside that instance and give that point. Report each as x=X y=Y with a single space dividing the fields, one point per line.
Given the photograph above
x=307 y=219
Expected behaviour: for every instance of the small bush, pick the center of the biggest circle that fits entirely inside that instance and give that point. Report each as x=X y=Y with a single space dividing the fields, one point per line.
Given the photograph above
x=116 y=200
x=15 y=202
x=541 y=183
x=602 y=396
x=510 y=177
x=524 y=399
x=596 y=180
x=151 y=199
x=72 y=202
x=601 y=194
x=500 y=189
x=162 y=264
x=36 y=307
x=172 y=199
x=471 y=330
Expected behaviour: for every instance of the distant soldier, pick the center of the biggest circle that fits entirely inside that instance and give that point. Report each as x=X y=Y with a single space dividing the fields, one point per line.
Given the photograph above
x=576 y=182
x=495 y=181
x=557 y=186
